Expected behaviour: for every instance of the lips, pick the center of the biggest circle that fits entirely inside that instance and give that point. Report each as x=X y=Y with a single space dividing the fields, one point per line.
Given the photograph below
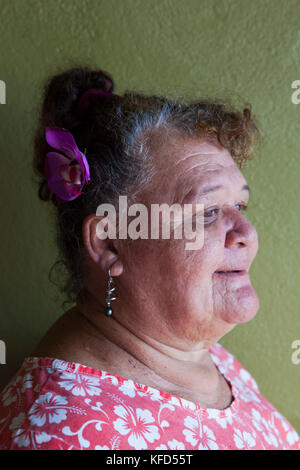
x=235 y=272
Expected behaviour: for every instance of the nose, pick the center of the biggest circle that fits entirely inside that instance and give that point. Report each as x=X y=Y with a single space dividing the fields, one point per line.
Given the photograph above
x=240 y=232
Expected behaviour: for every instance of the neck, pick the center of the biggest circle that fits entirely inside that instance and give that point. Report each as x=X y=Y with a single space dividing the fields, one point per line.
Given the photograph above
x=188 y=369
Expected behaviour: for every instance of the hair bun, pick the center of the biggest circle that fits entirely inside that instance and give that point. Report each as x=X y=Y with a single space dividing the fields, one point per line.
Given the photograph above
x=60 y=96
x=109 y=84
x=64 y=90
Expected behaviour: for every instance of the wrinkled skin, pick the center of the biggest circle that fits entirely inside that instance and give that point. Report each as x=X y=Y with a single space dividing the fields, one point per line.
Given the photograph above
x=171 y=304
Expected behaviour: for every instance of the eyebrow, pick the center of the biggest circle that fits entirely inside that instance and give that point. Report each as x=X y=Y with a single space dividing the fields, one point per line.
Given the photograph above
x=208 y=189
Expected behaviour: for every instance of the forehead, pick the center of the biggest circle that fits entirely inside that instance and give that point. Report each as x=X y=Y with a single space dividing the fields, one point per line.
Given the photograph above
x=201 y=155
x=200 y=162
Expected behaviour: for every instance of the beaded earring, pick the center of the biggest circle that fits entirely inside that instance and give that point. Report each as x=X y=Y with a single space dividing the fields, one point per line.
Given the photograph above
x=108 y=311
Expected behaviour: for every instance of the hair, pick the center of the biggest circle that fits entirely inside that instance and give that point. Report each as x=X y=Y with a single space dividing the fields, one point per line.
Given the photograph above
x=117 y=134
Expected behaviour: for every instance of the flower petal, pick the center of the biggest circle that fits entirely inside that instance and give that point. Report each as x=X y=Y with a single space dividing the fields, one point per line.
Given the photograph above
x=84 y=166
x=53 y=162
x=61 y=139
x=56 y=183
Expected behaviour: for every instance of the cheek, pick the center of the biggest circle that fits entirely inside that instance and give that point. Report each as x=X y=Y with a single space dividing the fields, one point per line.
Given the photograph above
x=192 y=268
x=175 y=277
x=199 y=286
x=208 y=258
x=195 y=272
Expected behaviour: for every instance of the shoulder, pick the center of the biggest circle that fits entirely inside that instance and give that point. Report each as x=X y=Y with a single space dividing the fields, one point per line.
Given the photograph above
x=55 y=404
x=48 y=403
x=69 y=338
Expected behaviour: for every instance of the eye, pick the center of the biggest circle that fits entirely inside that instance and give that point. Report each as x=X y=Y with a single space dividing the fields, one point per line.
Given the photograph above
x=243 y=207
x=210 y=215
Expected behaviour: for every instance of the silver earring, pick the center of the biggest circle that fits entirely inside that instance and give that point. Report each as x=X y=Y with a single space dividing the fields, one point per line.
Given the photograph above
x=108 y=311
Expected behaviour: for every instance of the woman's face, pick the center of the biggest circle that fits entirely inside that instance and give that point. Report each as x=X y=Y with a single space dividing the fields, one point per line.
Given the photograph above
x=180 y=291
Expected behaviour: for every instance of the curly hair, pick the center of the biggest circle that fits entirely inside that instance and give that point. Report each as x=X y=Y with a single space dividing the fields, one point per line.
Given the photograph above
x=117 y=135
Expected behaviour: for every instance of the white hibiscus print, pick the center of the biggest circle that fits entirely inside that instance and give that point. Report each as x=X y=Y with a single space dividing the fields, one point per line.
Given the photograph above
x=248 y=379
x=199 y=435
x=182 y=402
x=137 y=424
x=226 y=365
x=130 y=389
x=14 y=389
x=266 y=428
x=27 y=382
x=246 y=393
x=48 y=408
x=112 y=378
x=224 y=421
x=80 y=385
x=57 y=366
x=172 y=445
x=11 y=392
x=24 y=436
x=282 y=420
x=114 y=444
x=244 y=440
x=292 y=436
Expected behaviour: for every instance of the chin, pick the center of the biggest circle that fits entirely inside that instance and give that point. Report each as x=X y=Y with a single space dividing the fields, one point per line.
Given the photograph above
x=243 y=308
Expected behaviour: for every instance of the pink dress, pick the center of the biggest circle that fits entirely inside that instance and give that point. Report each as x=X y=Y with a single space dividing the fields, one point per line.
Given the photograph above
x=54 y=404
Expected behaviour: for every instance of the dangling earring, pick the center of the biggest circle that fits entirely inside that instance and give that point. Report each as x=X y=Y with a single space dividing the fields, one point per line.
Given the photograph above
x=108 y=311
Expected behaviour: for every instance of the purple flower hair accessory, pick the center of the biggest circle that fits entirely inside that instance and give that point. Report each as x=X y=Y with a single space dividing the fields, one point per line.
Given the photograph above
x=66 y=172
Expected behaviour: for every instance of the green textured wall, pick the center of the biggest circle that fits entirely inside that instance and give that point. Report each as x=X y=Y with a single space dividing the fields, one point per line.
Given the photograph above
x=168 y=46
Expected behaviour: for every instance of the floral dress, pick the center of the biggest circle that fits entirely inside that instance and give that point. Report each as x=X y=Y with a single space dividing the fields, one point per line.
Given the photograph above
x=54 y=404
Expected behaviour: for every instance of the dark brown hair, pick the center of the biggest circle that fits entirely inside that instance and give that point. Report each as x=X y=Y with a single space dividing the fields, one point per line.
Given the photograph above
x=117 y=135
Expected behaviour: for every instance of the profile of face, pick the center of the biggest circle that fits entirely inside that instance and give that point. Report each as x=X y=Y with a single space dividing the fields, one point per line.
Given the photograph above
x=171 y=292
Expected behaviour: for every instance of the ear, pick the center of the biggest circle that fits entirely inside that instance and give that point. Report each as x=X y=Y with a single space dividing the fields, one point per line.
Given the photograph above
x=101 y=252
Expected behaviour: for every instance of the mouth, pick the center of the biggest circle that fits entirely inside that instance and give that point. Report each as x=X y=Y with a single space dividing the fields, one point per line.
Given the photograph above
x=241 y=272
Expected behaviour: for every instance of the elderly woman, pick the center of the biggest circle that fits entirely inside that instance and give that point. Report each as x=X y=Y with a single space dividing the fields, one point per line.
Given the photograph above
x=136 y=363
